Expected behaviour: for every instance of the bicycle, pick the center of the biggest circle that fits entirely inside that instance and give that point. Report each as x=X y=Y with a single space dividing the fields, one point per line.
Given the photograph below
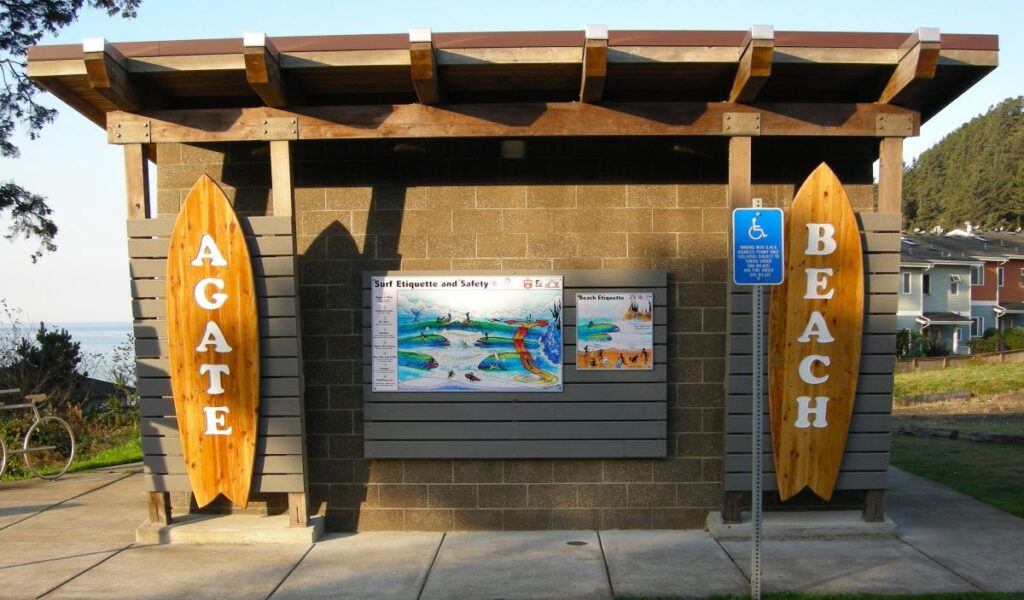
x=49 y=444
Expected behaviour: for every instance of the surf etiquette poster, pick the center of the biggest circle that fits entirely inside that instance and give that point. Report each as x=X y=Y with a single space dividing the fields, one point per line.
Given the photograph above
x=615 y=330
x=467 y=333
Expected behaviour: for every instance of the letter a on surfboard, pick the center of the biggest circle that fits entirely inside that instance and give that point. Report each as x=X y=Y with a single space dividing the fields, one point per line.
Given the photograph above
x=213 y=341
x=814 y=340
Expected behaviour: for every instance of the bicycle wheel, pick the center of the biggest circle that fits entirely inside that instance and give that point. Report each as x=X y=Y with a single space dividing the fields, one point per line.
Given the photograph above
x=3 y=456
x=49 y=447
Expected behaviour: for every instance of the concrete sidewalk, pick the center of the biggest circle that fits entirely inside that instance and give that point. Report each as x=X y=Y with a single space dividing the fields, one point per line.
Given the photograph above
x=75 y=539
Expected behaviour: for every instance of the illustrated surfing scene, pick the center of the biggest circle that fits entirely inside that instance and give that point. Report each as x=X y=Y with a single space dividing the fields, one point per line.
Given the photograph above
x=615 y=331
x=459 y=334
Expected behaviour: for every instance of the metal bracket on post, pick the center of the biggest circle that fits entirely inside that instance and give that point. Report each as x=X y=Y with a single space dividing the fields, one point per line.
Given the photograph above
x=741 y=124
x=894 y=125
x=131 y=132
x=279 y=128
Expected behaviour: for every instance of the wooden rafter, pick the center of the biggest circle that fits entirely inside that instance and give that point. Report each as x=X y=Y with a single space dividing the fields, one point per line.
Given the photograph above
x=105 y=68
x=755 y=65
x=508 y=120
x=262 y=70
x=918 y=60
x=595 y=63
x=423 y=66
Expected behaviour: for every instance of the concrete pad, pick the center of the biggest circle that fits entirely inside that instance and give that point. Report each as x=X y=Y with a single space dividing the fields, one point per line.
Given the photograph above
x=187 y=572
x=847 y=566
x=806 y=525
x=531 y=564
x=980 y=543
x=363 y=566
x=29 y=569
x=670 y=563
x=230 y=529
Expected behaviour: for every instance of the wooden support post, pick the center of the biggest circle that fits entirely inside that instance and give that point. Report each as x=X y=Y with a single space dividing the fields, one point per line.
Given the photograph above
x=733 y=510
x=739 y=172
x=262 y=70
x=755 y=66
x=298 y=509
x=136 y=171
x=160 y=508
x=874 y=506
x=890 y=175
x=595 y=63
x=423 y=64
x=281 y=177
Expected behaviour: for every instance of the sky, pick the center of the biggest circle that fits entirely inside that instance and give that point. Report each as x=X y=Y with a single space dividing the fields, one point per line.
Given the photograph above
x=82 y=176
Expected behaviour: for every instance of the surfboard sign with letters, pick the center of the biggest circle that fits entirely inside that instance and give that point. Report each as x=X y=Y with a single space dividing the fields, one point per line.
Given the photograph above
x=816 y=322
x=213 y=340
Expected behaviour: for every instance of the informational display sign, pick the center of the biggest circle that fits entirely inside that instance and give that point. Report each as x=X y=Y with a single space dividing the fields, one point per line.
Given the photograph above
x=758 y=246
x=615 y=330
x=465 y=333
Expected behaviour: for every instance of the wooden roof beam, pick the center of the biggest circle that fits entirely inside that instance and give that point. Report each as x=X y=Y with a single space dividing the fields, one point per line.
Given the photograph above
x=263 y=71
x=595 y=62
x=423 y=65
x=106 y=69
x=755 y=66
x=918 y=59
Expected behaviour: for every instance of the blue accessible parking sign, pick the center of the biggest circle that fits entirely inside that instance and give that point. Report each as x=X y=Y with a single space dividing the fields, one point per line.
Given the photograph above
x=757 y=246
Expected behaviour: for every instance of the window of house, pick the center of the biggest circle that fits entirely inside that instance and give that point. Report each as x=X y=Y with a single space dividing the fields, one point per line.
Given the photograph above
x=977 y=326
x=954 y=285
x=906 y=283
x=1022 y=276
x=926 y=283
x=978 y=275
x=999 y=277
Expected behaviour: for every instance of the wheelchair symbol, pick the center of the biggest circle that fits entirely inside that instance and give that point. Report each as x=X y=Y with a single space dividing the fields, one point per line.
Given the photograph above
x=755 y=232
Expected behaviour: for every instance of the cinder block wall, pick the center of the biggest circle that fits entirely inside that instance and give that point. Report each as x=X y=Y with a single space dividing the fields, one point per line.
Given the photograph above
x=656 y=203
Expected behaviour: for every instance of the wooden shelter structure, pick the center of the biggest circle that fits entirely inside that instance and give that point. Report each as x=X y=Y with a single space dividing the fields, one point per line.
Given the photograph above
x=609 y=156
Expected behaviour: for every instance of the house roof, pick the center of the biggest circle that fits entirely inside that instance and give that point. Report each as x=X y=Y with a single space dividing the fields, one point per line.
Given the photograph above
x=922 y=71
x=917 y=249
x=943 y=318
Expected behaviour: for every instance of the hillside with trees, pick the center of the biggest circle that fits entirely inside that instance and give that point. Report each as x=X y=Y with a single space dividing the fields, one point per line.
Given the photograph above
x=976 y=173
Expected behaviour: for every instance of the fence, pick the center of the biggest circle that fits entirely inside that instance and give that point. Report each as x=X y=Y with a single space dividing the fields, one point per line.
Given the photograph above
x=934 y=363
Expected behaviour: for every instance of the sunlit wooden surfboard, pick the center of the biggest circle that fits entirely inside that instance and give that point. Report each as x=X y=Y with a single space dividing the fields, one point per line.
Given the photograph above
x=213 y=338
x=823 y=335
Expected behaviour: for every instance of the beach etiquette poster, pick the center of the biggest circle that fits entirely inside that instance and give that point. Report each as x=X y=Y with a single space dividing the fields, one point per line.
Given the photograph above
x=467 y=333
x=615 y=330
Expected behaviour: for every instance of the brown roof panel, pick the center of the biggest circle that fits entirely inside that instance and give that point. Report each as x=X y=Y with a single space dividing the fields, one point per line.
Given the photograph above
x=676 y=38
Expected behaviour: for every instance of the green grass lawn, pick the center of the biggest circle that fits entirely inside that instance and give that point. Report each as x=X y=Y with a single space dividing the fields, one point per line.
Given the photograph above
x=128 y=452
x=978 y=379
x=992 y=473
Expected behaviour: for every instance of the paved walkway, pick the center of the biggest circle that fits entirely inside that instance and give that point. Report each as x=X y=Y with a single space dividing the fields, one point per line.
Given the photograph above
x=75 y=539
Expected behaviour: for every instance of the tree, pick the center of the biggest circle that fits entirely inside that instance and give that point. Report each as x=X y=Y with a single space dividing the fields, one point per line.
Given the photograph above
x=22 y=24
x=49 y=365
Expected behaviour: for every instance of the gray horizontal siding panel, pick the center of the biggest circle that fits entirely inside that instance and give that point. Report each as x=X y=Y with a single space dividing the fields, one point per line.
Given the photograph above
x=860 y=423
x=265 y=307
x=513 y=430
x=269 y=407
x=579 y=392
x=171 y=445
x=852 y=461
x=514 y=411
x=260 y=483
x=266 y=287
x=258 y=246
x=866 y=384
x=880 y=242
x=876 y=343
x=269 y=386
x=273 y=266
x=251 y=226
x=269 y=327
x=269 y=367
x=863 y=403
x=870 y=364
x=516 y=449
x=855 y=442
x=847 y=480
x=269 y=348
x=880 y=222
x=268 y=426
x=878 y=303
x=267 y=465
x=603 y=279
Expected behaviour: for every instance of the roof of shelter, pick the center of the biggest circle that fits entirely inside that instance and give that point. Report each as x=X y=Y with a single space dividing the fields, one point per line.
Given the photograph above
x=922 y=71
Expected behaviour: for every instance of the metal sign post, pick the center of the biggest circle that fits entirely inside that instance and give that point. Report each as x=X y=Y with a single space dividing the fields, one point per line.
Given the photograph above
x=757 y=252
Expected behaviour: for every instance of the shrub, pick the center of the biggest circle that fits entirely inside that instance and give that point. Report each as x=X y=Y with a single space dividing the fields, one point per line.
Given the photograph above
x=1013 y=338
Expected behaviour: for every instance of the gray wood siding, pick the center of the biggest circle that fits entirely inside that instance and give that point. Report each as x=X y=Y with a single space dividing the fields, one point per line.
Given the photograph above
x=280 y=451
x=867 y=449
x=599 y=414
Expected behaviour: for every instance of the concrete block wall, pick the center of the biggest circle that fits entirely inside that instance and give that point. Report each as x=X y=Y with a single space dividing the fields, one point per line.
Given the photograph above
x=657 y=203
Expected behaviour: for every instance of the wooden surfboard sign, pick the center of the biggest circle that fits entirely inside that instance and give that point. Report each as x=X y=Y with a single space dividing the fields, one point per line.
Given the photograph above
x=213 y=338
x=816 y=322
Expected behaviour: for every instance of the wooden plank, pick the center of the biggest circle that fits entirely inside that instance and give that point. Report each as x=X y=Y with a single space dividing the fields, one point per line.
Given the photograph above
x=269 y=386
x=511 y=120
x=739 y=404
x=569 y=298
x=847 y=480
x=266 y=287
x=136 y=171
x=268 y=426
x=298 y=509
x=107 y=75
x=882 y=221
x=852 y=461
x=274 y=266
x=423 y=66
x=263 y=71
x=514 y=411
x=861 y=423
x=516 y=449
x=258 y=246
x=282 y=444
x=265 y=307
x=281 y=179
x=918 y=62
x=595 y=65
x=755 y=65
x=260 y=483
x=269 y=327
x=512 y=430
x=890 y=175
x=159 y=508
x=737 y=443
x=273 y=464
x=269 y=407
x=739 y=174
x=268 y=367
x=580 y=392
x=251 y=226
